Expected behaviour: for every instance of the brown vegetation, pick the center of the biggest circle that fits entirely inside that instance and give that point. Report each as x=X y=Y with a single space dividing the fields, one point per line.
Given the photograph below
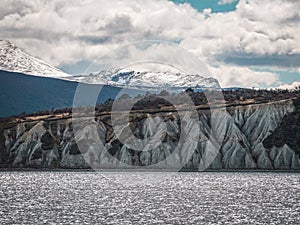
x=162 y=101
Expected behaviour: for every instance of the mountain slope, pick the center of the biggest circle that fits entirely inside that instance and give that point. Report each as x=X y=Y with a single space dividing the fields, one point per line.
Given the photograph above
x=52 y=143
x=22 y=93
x=14 y=59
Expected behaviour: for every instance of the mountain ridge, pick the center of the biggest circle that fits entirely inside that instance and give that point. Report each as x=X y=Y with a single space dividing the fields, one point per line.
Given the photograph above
x=164 y=80
x=13 y=59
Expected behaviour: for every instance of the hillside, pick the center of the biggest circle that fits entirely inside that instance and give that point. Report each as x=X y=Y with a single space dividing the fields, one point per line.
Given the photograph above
x=242 y=136
x=20 y=93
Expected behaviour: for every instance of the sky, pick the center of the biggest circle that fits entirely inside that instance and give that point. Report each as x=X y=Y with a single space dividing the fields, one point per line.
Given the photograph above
x=215 y=5
x=245 y=43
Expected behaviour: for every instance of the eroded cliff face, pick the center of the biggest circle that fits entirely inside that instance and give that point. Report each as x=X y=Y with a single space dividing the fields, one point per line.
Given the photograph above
x=225 y=139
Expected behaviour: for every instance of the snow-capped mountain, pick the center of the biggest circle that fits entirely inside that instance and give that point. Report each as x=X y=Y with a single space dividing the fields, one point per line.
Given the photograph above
x=149 y=80
x=13 y=59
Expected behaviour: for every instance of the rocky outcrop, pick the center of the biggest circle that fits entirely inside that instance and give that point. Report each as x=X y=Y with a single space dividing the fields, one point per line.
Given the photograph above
x=239 y=137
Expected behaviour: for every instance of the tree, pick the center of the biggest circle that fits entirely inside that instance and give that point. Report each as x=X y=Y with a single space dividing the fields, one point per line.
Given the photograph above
x=189 y=90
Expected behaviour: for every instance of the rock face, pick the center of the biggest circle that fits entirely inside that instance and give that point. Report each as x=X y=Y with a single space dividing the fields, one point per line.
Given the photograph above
x=160 y=138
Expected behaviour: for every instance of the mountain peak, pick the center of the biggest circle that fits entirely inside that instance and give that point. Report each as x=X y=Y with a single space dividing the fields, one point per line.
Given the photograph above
x=6 y=44
x=13 y=59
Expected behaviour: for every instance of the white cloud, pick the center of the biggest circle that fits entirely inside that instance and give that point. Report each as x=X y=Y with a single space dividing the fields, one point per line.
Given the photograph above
x=290 y=86
x=63 y=32
x=225 y=2
x=163 y=54
x=92 y=23
x=207 y=11
x=234 y=76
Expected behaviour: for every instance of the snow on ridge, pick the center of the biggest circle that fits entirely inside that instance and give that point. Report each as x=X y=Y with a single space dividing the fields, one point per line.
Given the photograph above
x=13 y=59
x=148 y=79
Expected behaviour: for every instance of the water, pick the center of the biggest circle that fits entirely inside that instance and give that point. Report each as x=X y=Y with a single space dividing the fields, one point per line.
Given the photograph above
x=149 y=198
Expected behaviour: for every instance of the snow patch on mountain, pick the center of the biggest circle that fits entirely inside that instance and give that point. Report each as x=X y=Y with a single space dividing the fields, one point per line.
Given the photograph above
x=149 y=80
x=13 y=59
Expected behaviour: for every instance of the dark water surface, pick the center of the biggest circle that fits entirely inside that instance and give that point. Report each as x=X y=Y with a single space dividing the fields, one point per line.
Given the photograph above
x=149 y=198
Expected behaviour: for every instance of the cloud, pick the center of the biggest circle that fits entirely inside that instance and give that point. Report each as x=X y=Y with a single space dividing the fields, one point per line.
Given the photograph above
x=225 y=2
x=207 y=11
x=284 y=61
x=290 y=86
x=234 y=76
x=91 y=23
x=164 y=55
x=256 y=28
x=63 y=32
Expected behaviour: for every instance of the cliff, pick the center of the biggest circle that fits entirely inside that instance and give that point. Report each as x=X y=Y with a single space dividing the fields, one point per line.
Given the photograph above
x=239 y=137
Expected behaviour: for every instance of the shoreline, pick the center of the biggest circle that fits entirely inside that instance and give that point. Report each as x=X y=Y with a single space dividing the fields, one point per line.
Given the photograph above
x=144 y=171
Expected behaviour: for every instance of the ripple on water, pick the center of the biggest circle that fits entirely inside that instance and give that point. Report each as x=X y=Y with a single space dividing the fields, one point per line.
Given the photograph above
x=149 y=198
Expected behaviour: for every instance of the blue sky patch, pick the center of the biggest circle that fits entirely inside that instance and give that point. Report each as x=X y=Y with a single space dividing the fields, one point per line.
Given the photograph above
x=288 y=76
x=213 y=4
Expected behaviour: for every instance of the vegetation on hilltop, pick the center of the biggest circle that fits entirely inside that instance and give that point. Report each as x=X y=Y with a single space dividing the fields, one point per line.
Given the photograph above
x=162 y=101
